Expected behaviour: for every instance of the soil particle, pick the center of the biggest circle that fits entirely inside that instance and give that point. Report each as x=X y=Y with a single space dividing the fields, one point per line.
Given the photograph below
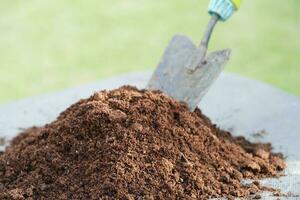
x=262 y=153
x=252 y=166
x=2 y=141
x=132 y=144
x=260 y=134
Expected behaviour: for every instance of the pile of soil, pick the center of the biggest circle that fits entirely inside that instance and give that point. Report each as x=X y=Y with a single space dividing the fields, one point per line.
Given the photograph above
x=132 y=144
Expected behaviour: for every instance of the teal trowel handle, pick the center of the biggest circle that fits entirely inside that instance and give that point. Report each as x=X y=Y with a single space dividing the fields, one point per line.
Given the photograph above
x=223 y=8
x=218 y=9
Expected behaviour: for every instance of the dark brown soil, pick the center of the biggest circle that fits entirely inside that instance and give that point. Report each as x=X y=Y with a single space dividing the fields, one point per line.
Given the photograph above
x=132 y=144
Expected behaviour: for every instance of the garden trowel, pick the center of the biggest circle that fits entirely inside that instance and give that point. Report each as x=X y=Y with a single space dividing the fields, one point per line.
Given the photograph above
x=186 y=72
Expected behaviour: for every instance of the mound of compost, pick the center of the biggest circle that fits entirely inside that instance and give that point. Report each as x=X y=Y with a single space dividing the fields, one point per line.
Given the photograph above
x=132 y=144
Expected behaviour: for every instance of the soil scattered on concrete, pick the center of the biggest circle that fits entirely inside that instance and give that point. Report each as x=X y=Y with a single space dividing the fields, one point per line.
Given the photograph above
x=2 y=141
x=132 y=144
x=260 y=134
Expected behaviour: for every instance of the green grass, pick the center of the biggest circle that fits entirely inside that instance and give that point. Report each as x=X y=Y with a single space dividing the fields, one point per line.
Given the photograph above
x=52 y=44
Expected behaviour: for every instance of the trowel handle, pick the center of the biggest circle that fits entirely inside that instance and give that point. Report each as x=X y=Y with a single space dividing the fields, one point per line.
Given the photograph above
x=223 y=8
x=218 y=9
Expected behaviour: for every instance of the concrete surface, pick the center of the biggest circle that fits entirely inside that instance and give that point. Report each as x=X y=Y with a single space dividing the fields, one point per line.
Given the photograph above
x=234 y=103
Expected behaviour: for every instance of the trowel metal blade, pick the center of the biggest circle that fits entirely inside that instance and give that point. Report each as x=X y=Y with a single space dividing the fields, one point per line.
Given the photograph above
x=174 y=77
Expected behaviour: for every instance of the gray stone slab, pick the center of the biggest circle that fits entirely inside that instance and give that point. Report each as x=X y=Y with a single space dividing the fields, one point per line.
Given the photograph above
x=235 y=103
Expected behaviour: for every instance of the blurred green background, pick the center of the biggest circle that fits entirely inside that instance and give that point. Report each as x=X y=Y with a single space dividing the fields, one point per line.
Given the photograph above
x=52 y=44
